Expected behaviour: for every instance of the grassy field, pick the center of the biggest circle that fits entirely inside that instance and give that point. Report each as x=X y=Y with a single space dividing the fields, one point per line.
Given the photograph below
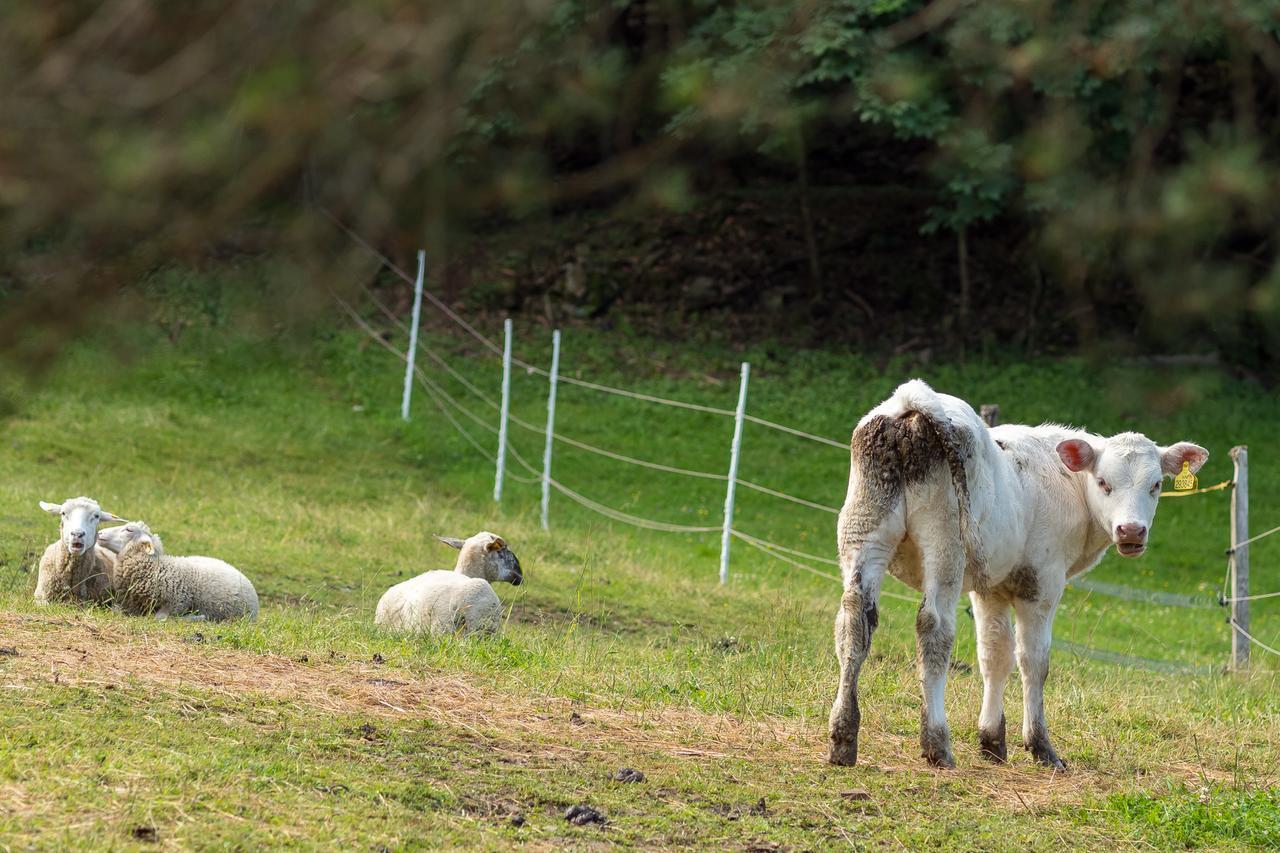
x=287 y=457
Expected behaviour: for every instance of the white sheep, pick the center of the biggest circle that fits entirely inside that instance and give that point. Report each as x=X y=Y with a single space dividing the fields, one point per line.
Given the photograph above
x=150 y=581
x=441 y=602
x=74 y=568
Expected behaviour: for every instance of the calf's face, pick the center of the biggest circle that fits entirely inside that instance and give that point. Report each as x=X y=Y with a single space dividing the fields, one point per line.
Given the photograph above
x=1125 y=474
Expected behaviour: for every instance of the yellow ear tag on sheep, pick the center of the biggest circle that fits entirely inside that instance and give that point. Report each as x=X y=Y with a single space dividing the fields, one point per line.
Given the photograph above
x=1185 y=481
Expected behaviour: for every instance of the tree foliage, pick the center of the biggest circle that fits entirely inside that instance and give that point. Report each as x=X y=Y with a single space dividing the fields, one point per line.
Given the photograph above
x=1135 y=141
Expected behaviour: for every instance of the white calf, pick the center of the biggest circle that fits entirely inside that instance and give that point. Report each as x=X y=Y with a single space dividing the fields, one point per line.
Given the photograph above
x=1007 y=515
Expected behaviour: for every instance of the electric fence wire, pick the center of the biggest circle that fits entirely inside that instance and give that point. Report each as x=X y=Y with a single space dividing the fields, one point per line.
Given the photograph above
x=1253 y=639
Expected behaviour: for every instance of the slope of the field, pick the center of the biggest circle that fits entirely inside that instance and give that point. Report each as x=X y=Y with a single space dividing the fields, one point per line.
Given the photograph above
x=289 y=459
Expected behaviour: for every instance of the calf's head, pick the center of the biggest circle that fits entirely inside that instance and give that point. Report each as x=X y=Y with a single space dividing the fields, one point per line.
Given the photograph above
x=487 y=556
x=78 y=522
x=1125 y=473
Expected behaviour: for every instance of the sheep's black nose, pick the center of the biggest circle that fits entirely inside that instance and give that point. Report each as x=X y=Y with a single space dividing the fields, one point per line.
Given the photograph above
x=517 y=580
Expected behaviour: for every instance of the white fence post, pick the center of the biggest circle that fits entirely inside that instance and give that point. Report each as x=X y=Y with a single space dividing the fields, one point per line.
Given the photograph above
x=1240 y=559
x=506 y=408
x=413 y=334
x=551 y=426
x=734 y=455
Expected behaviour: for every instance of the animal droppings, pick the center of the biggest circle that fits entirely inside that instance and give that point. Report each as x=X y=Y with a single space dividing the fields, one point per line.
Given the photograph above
x=582 y=814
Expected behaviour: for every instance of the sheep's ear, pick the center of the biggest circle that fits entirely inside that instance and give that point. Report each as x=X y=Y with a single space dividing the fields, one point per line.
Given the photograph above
x=110 y=516
x=55 y=509
x=149 y=545
x=450 y=541
x=496 y=544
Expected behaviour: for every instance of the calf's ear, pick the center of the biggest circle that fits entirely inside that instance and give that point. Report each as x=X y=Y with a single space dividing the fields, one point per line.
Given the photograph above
x=1077 y=454
x=1172 y=457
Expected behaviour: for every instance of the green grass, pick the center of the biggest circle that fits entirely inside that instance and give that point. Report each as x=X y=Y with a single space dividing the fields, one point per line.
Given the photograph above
x=287 y=457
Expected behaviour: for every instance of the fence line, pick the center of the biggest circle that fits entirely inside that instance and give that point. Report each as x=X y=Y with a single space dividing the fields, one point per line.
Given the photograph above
x=1096 y=587
x=1253 y=639
x=786 y=497
x=472 y=416
x=442 y=400
x=762 y=546
x=842 y=445
x=656 y=466
x=573 y=442
x=1133 y=661
x=648 y=398
x=1251 y=597
x=628 y=518
x=772 y=549
x=1239 y=545
x=1167 y=599
x=464 y=381
x=780 y=552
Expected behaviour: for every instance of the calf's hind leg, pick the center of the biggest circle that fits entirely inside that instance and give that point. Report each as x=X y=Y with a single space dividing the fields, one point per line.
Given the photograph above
x=864 y=566
x=935 y=635
x=995 y=660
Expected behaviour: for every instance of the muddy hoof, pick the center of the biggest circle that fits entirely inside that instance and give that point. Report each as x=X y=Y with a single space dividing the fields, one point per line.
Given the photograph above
x=1045 y=756
x=935 y=747
x=843 y=753
x=993 y=746
x=940 y=760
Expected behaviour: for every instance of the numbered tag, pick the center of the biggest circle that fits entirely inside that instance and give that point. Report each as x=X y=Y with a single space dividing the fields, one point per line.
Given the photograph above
x=1185 y=481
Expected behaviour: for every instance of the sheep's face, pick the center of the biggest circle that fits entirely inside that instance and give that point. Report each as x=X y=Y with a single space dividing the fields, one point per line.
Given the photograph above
x=78 y=522
x=133 y=536
x=487 y=556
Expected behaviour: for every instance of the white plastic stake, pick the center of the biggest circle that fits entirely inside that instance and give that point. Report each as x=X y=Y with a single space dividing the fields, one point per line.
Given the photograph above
x=1240 y=560
x=506 y=408
x=551 y=426
x=734 y=455
x=413 y=333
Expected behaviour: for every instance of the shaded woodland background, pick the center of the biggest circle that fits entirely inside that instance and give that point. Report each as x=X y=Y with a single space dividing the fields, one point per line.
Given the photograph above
x=942 y=177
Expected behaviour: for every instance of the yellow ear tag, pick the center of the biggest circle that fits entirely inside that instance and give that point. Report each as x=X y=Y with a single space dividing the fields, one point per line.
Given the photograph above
x=1185 y=481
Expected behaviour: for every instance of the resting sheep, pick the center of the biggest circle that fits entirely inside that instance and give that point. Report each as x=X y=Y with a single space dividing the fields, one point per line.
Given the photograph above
x=74 y=568
x=441 y=602
x=149 y=581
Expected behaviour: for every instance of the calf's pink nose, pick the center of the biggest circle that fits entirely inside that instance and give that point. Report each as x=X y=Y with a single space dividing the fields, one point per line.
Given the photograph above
x=1131 y=533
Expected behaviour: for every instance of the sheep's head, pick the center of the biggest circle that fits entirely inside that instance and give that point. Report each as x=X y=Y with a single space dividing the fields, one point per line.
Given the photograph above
x=487 y=556
x=78 y=522
x=131 y=537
